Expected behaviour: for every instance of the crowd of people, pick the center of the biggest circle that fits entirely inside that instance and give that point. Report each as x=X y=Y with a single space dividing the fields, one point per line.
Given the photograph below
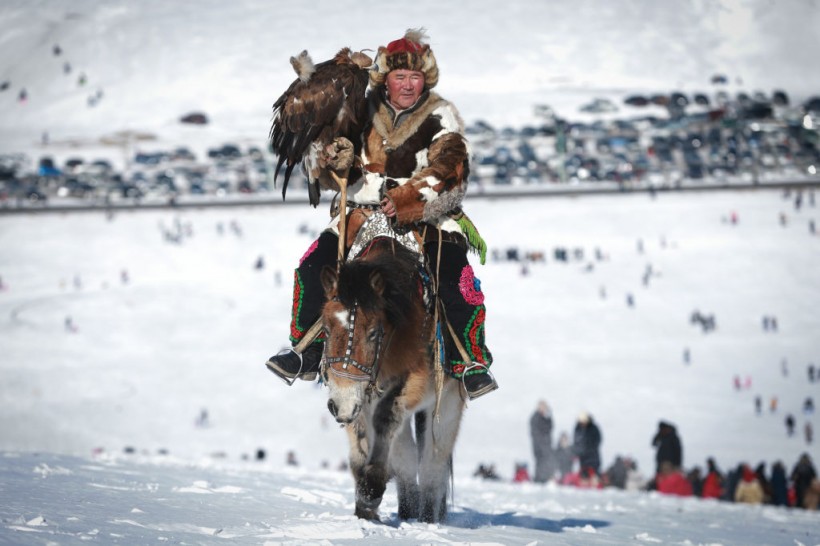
x=576 y=461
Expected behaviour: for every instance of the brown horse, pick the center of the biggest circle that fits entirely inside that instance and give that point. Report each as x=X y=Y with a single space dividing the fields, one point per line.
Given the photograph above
x=379 y=368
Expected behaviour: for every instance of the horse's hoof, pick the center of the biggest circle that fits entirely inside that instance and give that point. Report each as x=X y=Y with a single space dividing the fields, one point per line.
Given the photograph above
x=366 y=513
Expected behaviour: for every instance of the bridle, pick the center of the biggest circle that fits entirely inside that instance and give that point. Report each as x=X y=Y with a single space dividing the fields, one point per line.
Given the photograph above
x=368 y=372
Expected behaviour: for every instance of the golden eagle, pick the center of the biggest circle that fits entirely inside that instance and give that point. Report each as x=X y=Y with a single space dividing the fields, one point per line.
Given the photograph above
x=325 y=102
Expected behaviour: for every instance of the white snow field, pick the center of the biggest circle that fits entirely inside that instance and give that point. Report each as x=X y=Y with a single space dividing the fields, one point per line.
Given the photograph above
x=195 y=322
x=102 y=436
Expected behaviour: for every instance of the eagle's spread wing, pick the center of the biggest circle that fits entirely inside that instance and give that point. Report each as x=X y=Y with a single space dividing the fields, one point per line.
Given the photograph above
x=326 y=101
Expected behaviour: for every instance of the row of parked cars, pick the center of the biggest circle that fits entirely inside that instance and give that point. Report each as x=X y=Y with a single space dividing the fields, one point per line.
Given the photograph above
x=751 y=137
x=699 y=138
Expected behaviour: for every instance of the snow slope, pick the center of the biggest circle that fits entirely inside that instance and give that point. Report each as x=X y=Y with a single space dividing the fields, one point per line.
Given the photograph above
x=155 y=61
x=194 y=324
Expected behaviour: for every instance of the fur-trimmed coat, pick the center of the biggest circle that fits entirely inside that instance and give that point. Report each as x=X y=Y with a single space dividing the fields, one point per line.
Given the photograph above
x=417 y=157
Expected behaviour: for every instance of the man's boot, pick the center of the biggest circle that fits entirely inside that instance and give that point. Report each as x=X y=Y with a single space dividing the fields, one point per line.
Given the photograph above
x=478 y=384
x=290 y=365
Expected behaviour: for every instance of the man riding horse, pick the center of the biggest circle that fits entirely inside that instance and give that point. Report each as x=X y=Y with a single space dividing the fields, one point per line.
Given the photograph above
x=413 y=165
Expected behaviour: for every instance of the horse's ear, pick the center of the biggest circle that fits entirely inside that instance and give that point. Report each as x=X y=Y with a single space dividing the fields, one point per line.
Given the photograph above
x=329 y=279
x=377 y=282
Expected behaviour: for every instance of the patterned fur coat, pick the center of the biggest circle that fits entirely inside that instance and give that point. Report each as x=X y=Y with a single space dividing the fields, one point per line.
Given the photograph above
x=418 y=158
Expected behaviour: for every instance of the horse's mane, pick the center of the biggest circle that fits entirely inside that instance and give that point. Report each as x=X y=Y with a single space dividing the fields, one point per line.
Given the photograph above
x=398 y=267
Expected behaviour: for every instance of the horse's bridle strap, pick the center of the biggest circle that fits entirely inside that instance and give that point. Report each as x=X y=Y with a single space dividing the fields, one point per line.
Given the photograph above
x=370 y=372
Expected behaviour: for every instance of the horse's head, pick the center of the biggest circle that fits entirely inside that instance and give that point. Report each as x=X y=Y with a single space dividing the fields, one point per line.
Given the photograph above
x=355 y=337
x=366 y=301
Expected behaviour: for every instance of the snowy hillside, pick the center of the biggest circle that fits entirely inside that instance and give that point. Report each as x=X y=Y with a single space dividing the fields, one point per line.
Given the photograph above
x=154 y=61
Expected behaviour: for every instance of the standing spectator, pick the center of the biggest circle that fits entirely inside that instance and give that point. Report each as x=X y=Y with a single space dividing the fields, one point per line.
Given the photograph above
x=811 y=373
x=713 y=483
x=541 y=434
x=758 y=404
x=564 y=456
x=803 y=474
x=748 y=489
x=808 y=431
x=808 y=405
x=790 y=425
x=732 y=479
x=779 y=485
x=586 y=445
x=668 y=446
x=760 y=474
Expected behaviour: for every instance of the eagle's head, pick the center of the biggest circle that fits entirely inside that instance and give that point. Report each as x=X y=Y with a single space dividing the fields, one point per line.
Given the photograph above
x=303 y=65
x=361 y=60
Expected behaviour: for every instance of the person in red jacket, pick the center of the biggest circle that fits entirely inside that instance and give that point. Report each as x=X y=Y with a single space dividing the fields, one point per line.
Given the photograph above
x=713 y=484
x=671 y=481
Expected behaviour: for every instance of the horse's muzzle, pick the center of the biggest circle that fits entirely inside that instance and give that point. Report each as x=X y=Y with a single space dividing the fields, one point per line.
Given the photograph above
x=346 y=417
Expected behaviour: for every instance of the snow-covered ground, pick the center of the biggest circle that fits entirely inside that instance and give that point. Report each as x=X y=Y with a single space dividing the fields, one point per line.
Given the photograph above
x=193 y=325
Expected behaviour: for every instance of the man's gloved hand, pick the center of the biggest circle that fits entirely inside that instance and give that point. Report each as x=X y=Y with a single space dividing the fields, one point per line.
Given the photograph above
x=338 y=155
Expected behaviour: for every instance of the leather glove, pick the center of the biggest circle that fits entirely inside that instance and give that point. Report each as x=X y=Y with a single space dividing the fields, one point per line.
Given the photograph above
x=339 y=155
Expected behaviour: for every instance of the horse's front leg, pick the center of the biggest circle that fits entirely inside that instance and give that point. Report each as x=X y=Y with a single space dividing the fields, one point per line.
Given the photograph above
x=372 y=480
x=404 y=466
x=437 y=441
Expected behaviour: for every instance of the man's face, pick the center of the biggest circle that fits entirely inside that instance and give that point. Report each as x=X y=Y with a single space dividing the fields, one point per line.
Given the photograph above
x=404 y=87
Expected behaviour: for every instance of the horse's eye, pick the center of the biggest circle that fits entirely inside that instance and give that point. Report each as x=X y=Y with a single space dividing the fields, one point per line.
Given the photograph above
x=372 y=335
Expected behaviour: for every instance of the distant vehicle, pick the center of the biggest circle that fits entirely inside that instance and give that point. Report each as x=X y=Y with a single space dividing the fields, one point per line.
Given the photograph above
x=73 y=164
x=226 y=151
x=757 y=110
x=636 y=100
x=678 y=99
x=183 y=153
x=659 y=100
x=151 y=158
x=780 y=98
x=101 y=167
x=720 y=79
x=599 y=106
x=701 y=99
x=33 y=194
x=194 y=118
x=812 y=105
x=48 y=168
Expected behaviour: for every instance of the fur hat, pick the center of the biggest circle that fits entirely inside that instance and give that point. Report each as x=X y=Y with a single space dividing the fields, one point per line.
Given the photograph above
x=408 y=53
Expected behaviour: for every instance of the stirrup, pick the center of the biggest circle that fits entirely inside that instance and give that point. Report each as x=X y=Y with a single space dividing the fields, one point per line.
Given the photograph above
x=283 y=376
x=490 y=387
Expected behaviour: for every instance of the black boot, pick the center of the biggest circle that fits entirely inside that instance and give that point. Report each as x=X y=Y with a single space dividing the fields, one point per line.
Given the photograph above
x=479 y=384
x=290 y=365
